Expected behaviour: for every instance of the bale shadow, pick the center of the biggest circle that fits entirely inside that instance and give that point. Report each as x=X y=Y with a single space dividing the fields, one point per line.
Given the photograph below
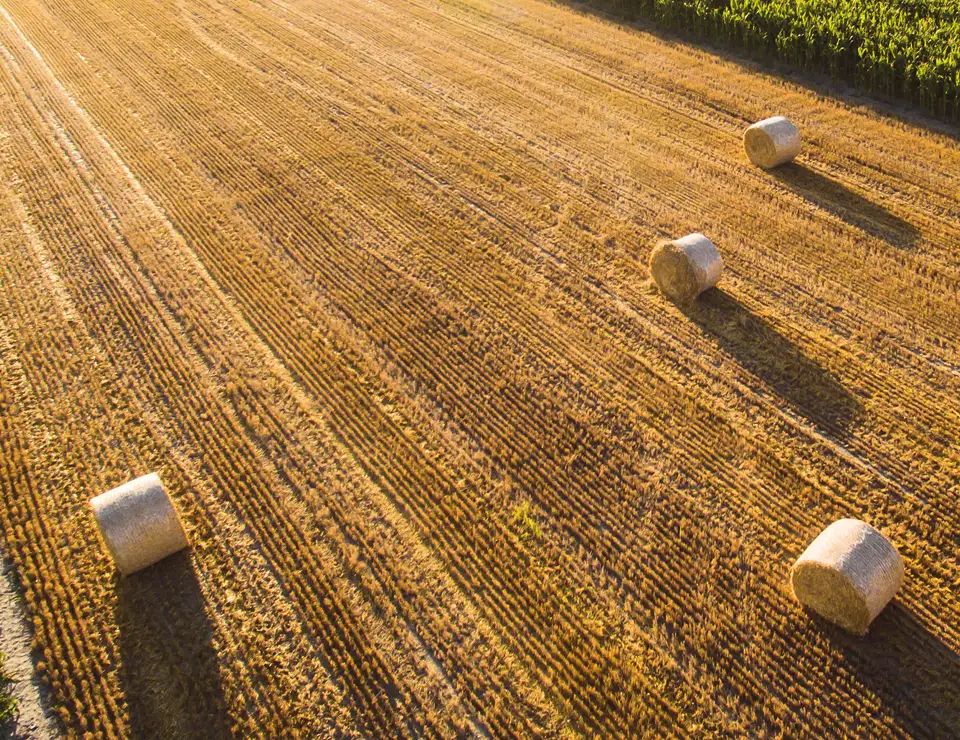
x=169 y=673
x=773 y=358
x=847 y=205
x=912 y=671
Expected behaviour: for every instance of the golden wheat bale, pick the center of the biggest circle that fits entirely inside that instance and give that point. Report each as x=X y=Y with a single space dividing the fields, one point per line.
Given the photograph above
x=848 y=574
x=772 y=142
x=685 y=267
x=138 y=523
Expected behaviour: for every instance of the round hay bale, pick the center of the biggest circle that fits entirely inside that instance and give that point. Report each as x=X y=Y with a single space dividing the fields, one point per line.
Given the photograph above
x=138 y=523
x=848 y=574
x=685 y=267
x=772 y=142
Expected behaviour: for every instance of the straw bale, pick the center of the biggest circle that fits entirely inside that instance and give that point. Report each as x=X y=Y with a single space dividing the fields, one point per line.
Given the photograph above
x=138 y=523
x=772 y=142
x=848 y=574
x=685 y=267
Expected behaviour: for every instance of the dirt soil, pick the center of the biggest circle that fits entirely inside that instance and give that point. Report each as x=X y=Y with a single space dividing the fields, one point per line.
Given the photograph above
x=35 y=721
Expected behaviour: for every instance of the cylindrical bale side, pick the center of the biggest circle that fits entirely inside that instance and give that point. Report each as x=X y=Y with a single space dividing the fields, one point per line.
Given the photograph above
x=848 y=574
x=138 y=523
x=772 y=142
x=685 y=267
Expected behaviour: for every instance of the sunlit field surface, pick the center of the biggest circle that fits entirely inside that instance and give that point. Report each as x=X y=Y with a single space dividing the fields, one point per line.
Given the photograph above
x=366 y=282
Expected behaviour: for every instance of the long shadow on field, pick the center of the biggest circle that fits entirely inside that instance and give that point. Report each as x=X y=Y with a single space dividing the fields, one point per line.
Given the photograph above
x=777 y=361
x=847 y=205
x=169 y=669
x=914 y=674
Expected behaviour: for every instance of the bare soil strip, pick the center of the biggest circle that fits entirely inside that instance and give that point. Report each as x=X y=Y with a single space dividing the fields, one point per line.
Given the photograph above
x=35 y=720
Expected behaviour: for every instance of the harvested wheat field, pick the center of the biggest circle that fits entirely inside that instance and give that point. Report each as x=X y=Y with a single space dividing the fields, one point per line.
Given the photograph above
x=365 y=282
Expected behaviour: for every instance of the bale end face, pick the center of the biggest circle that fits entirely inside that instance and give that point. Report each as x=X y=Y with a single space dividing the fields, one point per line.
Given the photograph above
x=138 y=523
x=830 y=594
x=772 y=142
x=684 y=268
x=848 y=574
x=673 y=273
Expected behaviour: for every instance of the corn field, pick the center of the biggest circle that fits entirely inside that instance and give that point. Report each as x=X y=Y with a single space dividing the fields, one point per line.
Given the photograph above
x=903 y=49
